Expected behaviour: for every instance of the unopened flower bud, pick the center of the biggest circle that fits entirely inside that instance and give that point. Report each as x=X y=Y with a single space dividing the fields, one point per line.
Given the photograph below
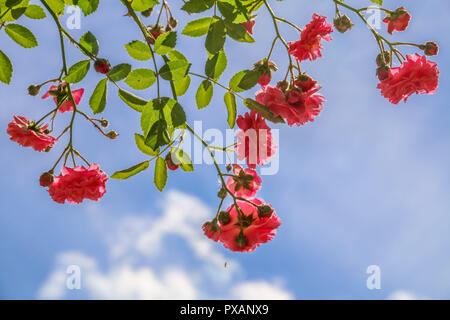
x=383 y=73
x=343 y=23
x=46 y=179
x=173 y=22
x=431 y=49
x=383 y=59
x=224 y=218
x=112 y=135
x=229 y=167
x=104 y=123
x=170 y=164
x=283 y=85
x=102 y=66
x=33 y=90
x=147 y=13
x=222 y=194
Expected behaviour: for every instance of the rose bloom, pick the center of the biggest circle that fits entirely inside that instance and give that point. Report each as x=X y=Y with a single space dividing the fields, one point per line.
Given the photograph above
x=299 y=105
x=309 y=45
x=397 y=20
x=77 y=184
x=415 y=75
x=67 y=104
x=254 y=140
x=245 y=183
x=248 y=25
x=26 y=134
x=256 y=230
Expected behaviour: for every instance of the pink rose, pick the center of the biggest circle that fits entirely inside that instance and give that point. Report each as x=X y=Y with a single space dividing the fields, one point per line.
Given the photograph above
x=309 y=45
x=415 y=75
x=398 y=20
x=77 y=184
x=254 y=140
x=67 y=104
x=244 y=183
x=27 y=134
x=246 y=233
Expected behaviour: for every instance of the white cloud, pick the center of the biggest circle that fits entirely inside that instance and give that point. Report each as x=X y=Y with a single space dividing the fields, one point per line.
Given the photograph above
x=136 y=240
x=260 y=290
x=403 y=295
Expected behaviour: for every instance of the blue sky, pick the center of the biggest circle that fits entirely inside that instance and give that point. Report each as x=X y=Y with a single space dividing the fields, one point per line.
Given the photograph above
x=367 y=183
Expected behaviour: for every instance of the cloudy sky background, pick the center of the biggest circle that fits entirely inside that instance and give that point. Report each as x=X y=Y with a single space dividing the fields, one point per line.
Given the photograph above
x=368 y=183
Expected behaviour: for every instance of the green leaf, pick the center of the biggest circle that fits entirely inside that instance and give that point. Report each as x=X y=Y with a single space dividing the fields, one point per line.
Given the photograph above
x=134 y=170
x=35 y=12
x=158 y=135
x=237 y=31
x=379 y=2
x=174 y=70
x=89 y=41
x=160 y=178
x=182 y=159
x=215 y=40
x=230 y=102
x=140 y=79
x=88 y=6
x=172 y=112
x=142 y=5
x=99 y=97
x=138 y=50
x=182 y=85
x=204 y=94
x=196 y=6
x=78 y=71
x=140 y=143
x=265 y=112
x=6 y=68
x=216 y=65
x=57 y=6
x=21 y=35
x=244 y=80
x=165 y=43
x=197 y=28
x=132 y=100
x=12 y=3
x=119 y=72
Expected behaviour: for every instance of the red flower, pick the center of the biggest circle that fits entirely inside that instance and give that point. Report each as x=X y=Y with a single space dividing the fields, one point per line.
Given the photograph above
x=254 y=140
x=298 y=105
x=64 y=96
x=77 y=184
x=27 y=134
x=245 y=232
x=245 y=183
x=265 y=68
x=415 y=75
x=398 y=20
x=309 y=45
x=248 y=25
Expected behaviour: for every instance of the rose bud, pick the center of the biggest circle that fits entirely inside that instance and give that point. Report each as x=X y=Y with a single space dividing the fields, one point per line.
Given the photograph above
x=283 y=85
x=386 y=61
x=222 y=194
x=102 y=66
x=343 y=23
x=265 y=211
x=224 y=218
x=112 y=135
x=104 y=123
x=170 y=164
x=383 y=73
x=46 y=179
x=265 y=68
x=431 y=49
x=147 y=13
x=397 y=20
x=33 y=90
